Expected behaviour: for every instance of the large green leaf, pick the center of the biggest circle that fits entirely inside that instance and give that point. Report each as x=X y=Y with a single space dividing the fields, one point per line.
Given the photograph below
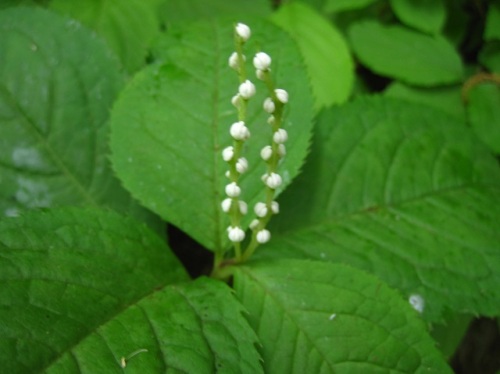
x=424 y=15
x=490 y=56
x=324 y=50
x=63 y=273
x=188 y=328
x=185 y=11
x=406 y=192
x=172 y=122
x=400 y=53
x=57 y=86
x=127 y=26
x=483 y=110
x=314 y=317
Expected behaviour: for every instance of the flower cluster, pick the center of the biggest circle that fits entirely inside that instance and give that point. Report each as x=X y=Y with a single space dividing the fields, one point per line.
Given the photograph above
x=271 y=154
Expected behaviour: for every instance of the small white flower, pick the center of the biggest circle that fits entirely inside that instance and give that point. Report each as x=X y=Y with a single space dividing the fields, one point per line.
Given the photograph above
x=239 y=131
x=417 y=302
x=269 y=106
x=260 y=74
x=282 y=95
x=242 y=165
x=228 y=153
x=275 y=207
x=235 y=234
x=243 y=207
x=254 y=224
x=263 y=236
x=227 y=174
x=243 y=31
x=226 y=205
x=246 y=89
x=280 y=136
x=271 y=120
x=262 y=61
x=236 y=100
x=233 y=190
x=273 y=180
x=260 y=210
x=266 y=153
x=281 y=150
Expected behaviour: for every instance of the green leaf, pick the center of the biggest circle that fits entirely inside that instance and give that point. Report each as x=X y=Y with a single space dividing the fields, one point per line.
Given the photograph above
x=424 y=15
x=324 y=50
x=405 y=192
x=490 y=56
x=483 y=111
x=447 y=99
x=334 y=6
x=172 y=122
x=314 y=317
x=127 y=26
x=58 y=83
x=397 y=52
x=63 y=273
x=185 y=11
x=196 y=327
x=492 y=28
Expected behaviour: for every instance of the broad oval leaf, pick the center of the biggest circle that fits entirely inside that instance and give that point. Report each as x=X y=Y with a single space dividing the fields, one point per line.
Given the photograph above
x=492 y=28
x=193 y=327
x=314 y=317
x=128 y=27
x=424 y=15
x=325 y=52
x=403 y=191
x=397 y=52
x=65 y=272
x=58 y=83
x=335 y=6
x=172 y=122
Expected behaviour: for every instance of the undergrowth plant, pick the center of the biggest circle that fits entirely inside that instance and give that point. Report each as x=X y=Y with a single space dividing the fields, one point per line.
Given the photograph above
x=336 y=161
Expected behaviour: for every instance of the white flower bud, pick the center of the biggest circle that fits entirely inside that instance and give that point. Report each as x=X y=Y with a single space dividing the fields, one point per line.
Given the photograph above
x=269 y=106
x=235 y=234
x=266 y=153
x=282 y=95
x=233 y=190
x=233 y=61
x=239 y=131
x=242 y=165
x=228 y=153
x=254 y=224
x=243 y=207
x=280 y=136
x=281 y=150
x=263 y=236
x=227 y=174
x=271 y=120
x=246 y=89
x=243 y=31
x=273 y=180
x=262 y=61
x=260 y=74
x=226 y=205
x=236 y=100
x=275 y=207
x=260 y=210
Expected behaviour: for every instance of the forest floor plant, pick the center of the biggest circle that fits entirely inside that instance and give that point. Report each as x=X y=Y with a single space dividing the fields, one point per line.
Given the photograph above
x=342 y=186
